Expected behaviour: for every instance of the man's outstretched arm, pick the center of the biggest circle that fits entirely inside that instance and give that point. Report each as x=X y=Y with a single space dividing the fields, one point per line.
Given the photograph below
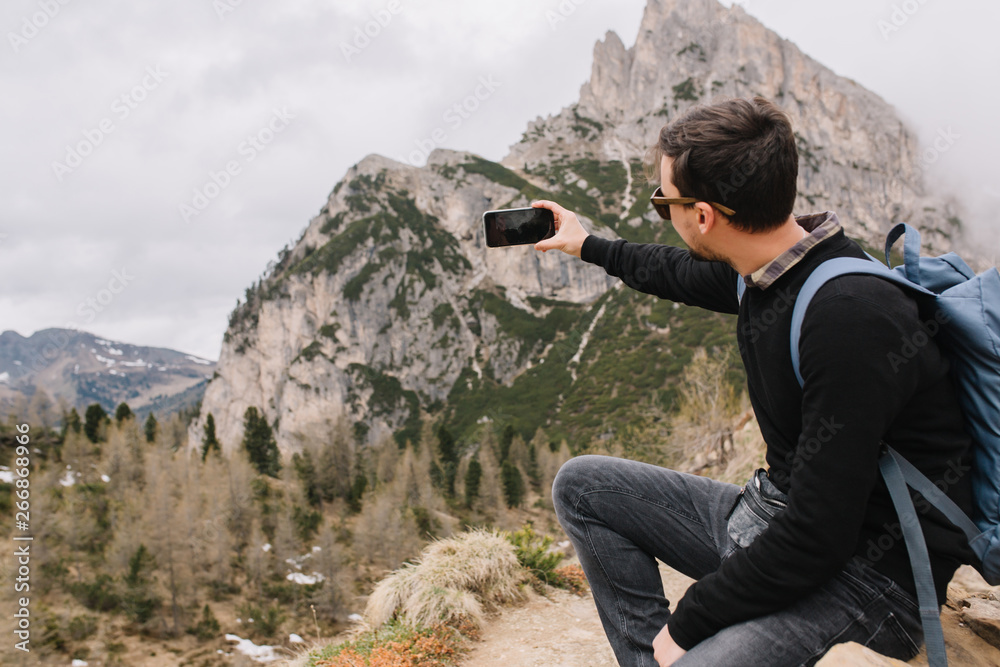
x=662 y=270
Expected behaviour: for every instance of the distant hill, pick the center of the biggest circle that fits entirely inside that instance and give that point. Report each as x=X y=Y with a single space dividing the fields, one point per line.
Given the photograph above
x=78 y=368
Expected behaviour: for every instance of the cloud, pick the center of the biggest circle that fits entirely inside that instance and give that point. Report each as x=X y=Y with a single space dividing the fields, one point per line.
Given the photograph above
x=228 y=73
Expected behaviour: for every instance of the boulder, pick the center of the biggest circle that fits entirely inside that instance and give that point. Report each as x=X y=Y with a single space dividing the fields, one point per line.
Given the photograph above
x=983 y=616
x=968 y=583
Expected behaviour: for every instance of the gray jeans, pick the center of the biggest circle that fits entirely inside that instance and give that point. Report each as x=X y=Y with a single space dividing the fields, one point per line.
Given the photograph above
x=623 y=515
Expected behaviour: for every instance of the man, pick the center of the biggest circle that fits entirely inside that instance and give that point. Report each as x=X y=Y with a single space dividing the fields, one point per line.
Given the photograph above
x=831 y=565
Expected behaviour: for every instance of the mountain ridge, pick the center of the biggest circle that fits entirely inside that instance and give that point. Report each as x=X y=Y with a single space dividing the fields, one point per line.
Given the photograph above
x=76 y=368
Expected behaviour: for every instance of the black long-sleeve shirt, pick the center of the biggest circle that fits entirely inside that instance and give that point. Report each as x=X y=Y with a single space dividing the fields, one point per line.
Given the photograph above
x=823 y=439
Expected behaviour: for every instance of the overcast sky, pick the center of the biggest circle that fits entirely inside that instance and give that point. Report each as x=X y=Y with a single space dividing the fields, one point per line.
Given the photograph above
x=279 y=99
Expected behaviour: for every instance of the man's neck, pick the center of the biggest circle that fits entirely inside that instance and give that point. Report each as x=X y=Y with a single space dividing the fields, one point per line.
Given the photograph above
x=752 y=251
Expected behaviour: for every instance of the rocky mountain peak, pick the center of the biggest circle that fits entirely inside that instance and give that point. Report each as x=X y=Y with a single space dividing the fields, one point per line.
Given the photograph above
x=857 y=157
x=610 y=75
x=390 y=309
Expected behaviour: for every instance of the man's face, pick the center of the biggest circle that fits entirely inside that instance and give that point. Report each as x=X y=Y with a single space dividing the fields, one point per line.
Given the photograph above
x=685 y=219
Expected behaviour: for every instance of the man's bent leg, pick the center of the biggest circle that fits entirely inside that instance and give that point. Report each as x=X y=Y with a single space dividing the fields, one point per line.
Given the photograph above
x=621 y=515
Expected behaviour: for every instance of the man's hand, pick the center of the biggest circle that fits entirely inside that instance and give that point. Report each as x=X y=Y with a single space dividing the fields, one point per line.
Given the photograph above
x=570 y=234
x=665 y=650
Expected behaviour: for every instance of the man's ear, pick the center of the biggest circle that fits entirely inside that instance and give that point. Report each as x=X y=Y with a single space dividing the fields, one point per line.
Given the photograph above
x=706 y=217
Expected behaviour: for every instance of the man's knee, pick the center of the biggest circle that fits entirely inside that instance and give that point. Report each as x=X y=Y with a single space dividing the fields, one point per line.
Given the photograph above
x=572 y=478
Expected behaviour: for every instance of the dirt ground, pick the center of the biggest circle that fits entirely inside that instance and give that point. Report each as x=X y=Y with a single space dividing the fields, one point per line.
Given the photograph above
x=562 y=630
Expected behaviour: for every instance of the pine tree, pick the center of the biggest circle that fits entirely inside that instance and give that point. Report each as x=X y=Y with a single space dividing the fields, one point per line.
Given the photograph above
x=306 y=521
x=258 y=440
x=209 y=441
x=71 y=422
x=437 y=477
x=93 y=419
x=472 y=478
x=149 y=427
x=303 y=464
x=138 y=600
x=141 y=560
x=538 y=449
x=123 y=412
x=534 y=473
x=208 y=627
x=446 y=444
x=357 y=491
x=449 y=460
x=513 y=484
x=506 y=437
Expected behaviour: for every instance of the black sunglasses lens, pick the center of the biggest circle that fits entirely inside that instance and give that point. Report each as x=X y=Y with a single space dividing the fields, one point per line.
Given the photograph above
x=662 y=209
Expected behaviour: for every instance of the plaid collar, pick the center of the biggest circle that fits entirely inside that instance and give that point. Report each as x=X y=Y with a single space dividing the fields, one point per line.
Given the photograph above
x=820 y=226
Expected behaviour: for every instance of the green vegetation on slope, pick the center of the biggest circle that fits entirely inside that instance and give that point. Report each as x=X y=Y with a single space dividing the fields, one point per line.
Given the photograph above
x=388 y=396
x=608 y=177
x=383 y=228
x=629 y=361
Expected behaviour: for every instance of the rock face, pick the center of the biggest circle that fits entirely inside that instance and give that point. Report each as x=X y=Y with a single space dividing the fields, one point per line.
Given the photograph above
x=373 y=314
x=390 y=307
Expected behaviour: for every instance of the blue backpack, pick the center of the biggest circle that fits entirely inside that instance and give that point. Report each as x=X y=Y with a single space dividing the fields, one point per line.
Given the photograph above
x=965 y=311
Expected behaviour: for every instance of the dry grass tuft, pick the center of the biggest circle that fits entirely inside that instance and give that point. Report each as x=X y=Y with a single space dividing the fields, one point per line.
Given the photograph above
x=456 y=581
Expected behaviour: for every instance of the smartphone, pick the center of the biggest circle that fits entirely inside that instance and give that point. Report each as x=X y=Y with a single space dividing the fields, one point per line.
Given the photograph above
x=517 y=226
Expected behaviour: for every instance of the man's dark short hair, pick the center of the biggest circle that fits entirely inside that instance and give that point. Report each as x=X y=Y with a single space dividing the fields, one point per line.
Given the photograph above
x=737 y=152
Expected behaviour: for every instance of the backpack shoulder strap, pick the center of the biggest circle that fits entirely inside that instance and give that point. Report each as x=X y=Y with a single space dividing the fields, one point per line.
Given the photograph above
x=919 y=482
x=828 y=270
x=920 y=562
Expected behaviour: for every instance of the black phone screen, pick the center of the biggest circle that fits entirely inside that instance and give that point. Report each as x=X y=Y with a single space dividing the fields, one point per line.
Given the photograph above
x=517 y=226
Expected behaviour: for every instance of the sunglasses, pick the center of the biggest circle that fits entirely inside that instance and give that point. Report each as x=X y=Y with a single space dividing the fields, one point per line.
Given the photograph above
x=662 y=204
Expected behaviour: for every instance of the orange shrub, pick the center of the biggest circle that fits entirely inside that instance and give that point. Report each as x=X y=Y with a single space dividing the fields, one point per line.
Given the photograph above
x=436 y=647
x=572 y=578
